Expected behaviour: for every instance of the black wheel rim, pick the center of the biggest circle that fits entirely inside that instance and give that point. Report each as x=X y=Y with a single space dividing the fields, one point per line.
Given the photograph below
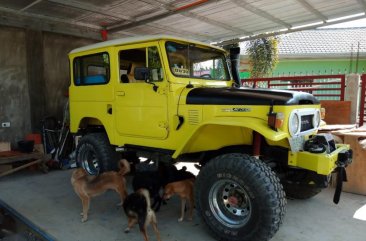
x=230 y=203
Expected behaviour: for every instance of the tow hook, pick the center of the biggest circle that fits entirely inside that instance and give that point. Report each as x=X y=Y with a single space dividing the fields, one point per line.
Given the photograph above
x=344 y=158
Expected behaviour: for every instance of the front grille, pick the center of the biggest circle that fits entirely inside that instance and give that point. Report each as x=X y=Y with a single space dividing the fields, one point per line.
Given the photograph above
x=306 y=122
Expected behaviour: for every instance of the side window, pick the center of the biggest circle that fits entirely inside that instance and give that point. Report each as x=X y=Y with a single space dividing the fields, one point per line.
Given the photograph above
x=91 y=69
x=154 y=64
x=142 y=57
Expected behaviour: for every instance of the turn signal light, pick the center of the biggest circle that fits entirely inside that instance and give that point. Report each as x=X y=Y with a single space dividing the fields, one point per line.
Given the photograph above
x=275 y=120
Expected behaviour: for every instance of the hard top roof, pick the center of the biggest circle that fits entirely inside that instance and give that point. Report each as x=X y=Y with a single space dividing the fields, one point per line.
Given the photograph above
x=130 y=40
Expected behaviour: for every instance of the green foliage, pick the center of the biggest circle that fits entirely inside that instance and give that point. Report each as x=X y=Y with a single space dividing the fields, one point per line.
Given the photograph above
x=154 y=58
x=218 y=70
x=263 y=56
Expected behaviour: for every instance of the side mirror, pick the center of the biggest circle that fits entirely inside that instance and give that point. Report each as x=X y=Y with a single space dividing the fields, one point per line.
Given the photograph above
x=142 y=73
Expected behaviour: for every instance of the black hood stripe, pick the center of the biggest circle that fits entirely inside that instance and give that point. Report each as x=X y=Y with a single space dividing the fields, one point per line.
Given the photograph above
x=247 y=96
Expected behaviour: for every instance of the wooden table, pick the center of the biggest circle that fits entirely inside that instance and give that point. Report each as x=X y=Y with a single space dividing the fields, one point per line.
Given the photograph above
x=11 y=157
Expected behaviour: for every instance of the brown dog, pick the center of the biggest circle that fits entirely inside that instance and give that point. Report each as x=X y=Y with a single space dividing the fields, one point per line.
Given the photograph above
x=87 y=186
x=184 y=189
x=138 y=210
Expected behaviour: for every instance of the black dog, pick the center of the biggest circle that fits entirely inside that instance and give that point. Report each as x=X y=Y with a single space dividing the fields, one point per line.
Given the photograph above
x=149 y=180
x=181 y=175
x=155 y=178
x=137 y=209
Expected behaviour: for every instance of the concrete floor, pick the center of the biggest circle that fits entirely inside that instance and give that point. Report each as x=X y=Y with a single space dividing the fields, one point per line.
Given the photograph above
x=48 y=201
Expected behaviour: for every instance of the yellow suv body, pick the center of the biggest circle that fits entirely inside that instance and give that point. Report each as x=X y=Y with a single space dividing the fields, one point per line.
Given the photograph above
x=169 y=98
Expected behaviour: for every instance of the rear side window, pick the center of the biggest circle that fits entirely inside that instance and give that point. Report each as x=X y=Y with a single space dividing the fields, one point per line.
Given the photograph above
x=91 y=69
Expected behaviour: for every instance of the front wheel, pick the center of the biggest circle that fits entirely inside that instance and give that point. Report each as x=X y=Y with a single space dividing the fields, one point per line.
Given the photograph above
x=95 y=154
x=240 y=198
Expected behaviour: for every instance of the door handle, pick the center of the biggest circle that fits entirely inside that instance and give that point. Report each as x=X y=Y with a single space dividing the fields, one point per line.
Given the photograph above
x=120 y=93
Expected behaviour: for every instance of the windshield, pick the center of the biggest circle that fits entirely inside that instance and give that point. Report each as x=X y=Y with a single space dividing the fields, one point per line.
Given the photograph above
x=190 y=61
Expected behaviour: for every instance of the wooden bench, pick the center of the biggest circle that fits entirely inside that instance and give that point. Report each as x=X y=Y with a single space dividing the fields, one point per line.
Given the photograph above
x=29 y=159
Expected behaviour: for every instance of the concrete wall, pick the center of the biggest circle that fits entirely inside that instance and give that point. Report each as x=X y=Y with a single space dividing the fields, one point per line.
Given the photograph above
x=34 y=76
x=14 y=95
x=56 y=69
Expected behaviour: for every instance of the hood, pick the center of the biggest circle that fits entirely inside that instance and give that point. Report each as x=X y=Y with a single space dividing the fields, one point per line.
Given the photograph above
x=248 y=96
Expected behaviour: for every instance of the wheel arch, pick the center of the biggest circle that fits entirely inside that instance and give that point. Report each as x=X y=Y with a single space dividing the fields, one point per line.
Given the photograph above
x=93 y=124
x=225 y=132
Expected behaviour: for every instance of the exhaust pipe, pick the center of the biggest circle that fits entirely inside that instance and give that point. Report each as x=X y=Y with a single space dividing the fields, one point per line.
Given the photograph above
x=235 y=62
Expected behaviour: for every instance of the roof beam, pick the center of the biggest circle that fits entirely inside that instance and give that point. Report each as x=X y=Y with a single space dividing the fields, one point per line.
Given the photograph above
x=208 y=20
x=30 y=5
x=311 y=9
x=90 y=8
x=158 y=4
x=184 y=10
x=163 y=6
x=259 y=12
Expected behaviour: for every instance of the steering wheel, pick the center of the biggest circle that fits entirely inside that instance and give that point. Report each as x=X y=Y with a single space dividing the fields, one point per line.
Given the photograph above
x=208 y=76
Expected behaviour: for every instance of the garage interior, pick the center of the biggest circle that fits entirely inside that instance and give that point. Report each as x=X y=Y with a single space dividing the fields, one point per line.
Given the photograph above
x=37 y=36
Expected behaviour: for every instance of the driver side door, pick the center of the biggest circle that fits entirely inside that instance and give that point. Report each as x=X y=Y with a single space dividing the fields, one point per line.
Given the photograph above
x=141 y=109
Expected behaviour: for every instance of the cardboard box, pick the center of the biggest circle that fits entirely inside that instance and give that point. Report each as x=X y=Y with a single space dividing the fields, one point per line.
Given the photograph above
x=337 y=112
x=5 y=146
x=356 y=170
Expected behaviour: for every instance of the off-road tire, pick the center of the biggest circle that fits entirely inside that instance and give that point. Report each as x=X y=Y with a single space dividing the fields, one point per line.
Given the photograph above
x=300 y=191
x=239 y=198
x=95 y=154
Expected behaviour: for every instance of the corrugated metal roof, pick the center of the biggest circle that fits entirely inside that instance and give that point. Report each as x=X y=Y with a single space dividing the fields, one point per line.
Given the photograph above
x=323 y=42
x=205 y=20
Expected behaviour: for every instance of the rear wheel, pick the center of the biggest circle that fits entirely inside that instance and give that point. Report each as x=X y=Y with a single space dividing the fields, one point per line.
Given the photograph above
x=95 y=154
x=240 y=198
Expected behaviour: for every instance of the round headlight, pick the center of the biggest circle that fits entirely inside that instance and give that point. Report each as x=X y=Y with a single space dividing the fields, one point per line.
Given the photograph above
x=316 y=119
x=294 y=124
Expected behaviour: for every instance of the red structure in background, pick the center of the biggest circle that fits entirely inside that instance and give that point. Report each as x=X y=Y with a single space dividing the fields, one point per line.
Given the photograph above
x=104 y=34
x=321 y=86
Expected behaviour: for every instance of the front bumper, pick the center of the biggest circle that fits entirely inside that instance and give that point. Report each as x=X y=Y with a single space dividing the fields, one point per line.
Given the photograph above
x=321 y=163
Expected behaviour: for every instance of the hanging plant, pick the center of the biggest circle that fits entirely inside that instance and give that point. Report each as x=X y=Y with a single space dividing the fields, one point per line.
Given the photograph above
x=263 y=56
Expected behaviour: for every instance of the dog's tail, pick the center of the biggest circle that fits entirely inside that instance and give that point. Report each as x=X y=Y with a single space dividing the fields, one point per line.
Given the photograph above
x=124 y=167
x=146 y=194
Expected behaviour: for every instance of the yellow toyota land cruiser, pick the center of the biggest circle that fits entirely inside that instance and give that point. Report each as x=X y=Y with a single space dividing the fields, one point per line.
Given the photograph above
x=171 y=99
